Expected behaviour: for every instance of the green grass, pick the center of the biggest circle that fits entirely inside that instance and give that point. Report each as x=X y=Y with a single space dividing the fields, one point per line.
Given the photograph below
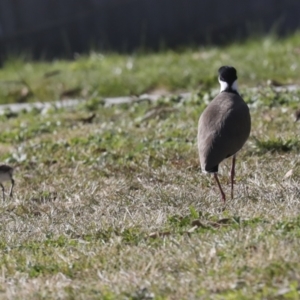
x=101 y=75
x=118 y=209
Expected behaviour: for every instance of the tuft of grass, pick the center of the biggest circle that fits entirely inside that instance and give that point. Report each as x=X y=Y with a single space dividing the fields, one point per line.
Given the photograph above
x=277 y=145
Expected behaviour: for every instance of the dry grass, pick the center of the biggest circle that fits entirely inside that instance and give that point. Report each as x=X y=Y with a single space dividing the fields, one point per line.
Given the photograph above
x=117 y=209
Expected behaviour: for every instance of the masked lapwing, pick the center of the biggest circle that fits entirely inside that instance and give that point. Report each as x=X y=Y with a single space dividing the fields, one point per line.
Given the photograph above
x=224 y=127
x=6 y=174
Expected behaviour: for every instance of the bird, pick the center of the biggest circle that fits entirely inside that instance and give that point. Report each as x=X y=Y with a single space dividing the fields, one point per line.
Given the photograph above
x=224 y=127
x=6 y=174
x=297 y=115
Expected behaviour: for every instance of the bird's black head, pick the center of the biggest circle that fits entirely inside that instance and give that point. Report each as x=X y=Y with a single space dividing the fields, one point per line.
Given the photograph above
x=228 y=79
x=228 y=74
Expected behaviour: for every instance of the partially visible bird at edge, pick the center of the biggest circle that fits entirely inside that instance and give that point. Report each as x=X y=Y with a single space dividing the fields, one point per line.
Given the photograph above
x=6 y=174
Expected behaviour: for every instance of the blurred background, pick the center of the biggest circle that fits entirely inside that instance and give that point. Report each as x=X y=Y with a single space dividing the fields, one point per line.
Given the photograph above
x=52 y=28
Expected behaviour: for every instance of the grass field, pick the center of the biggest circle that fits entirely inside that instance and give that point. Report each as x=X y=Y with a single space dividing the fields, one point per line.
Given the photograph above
x=101 y=75
x=116 y=207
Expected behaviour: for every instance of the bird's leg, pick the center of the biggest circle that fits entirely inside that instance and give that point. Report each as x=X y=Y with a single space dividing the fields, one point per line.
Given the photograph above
x=232 y=173
x=11 y=188
x=219 y=185
x=2 y=191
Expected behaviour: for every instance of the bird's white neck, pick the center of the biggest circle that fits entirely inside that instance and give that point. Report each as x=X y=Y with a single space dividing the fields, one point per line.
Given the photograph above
x=224 y=86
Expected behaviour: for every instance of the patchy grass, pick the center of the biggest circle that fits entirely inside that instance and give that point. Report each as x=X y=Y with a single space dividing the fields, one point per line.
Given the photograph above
x=116 y=208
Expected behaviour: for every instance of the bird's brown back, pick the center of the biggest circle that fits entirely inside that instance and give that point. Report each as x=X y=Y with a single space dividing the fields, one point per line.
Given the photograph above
x=224 y=127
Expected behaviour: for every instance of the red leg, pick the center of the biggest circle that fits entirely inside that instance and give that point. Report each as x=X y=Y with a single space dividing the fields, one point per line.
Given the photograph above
x=219 y=185
x=232 y=174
